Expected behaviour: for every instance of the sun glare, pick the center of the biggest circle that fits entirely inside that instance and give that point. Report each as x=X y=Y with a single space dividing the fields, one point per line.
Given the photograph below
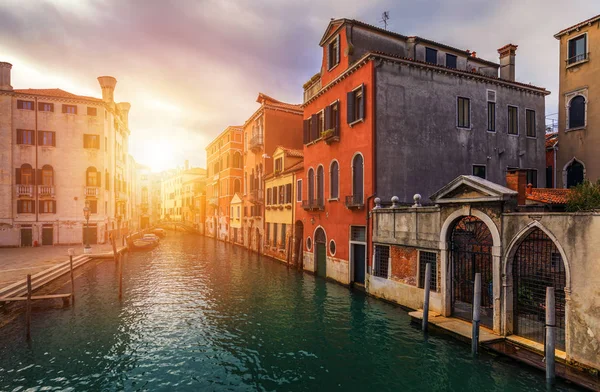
x=159 y=155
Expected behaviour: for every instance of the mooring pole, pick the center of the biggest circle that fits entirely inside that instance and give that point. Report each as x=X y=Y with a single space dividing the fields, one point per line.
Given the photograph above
x=28 y=308
x=114 y=246
x=426 y=297
x=121 y=259
x=72 y=280
x=476 y=313
x=550 y=335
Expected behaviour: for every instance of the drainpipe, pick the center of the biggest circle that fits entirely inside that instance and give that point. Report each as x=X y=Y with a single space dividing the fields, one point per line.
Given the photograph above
x=367 y=239
x=554 y=170
x=35 y=177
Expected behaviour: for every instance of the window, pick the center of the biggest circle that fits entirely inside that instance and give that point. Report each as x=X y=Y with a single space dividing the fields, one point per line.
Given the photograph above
x=333 y=53
x=25 y=105
x=70 y=109
x=479 y=171
x=334 y=180
x=47 y=175
x=299 y=190
x=491 y=116
x=278 y=165
x=24 y=175
x=93 y=204
x=92 y=177
x=283 y=236
x=46 y=138
x=45 y=107
x=424 y=258
x=431 y=55
x=577 y=112
x=311 y=185
x=25 y=207
x=269 y=196
x=47 y=206
x=464 y=112
x=320 y=185
x=274 y=234
x=530 y=122
x=268 y=234
x=358 y=233
x=107 y=180
x=355 y=110
x=513 y=120
x=335 y=118
x=532 y=177
x=320 y=124
x=25 y=136
x=281 y=195
x=91 y=141
x=357 y=180
x=288 y=193
x=92 y=111
x=308 y=243
x=332 y=247
x=382 y=255
x=577 y=49
x=451 y=61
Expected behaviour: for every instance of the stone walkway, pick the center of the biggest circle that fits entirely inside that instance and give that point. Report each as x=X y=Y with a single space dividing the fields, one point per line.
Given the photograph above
x=16 y=263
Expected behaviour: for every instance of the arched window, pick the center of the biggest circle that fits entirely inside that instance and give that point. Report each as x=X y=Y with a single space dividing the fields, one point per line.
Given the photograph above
x=236 y=185
x=577 y=112
x=357 y=179
x=575 y=174
x=227 y=161
x=26 y=175
x=47 y=175
x=334 y=192
x=311 y=185
x=237 y=160
x=91 y=177
x=320 y=185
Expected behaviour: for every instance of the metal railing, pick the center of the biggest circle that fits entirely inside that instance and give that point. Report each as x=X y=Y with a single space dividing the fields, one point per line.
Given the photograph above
x=25 y=190
x=577 y=58
x=256 y=141
x=355 y=201
x=256 y=196
x=313 y=204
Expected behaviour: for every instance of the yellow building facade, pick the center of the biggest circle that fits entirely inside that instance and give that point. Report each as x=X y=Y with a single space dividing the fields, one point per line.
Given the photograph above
x=579 y=110
x=280 y=199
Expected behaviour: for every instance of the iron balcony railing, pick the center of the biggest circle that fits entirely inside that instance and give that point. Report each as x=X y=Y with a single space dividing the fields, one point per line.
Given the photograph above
x=46 y=190
x=577 y=58
x=256 y=196
x=91 y=191
x=25 y=190
x=313 y=204
x=355 y=201
x=256 y=142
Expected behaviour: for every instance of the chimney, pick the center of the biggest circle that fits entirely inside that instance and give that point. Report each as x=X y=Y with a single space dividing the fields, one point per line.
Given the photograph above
x=507 y=61
x=516 y=180
x=108 y=83
x=5 y=76
x=124 y=109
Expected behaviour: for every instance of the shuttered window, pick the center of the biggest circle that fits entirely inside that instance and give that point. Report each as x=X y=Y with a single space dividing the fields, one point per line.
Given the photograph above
x=491 y=116
x=70 y=109
x=431 y=55
x=281 y=191
x=45 y=107
x=355 y=107
x=450 y=61
x=47 y=207
x=513 y=120
x=334 y=180
x=283 y=236
x=46 y=138
x=25 y=207
x=464 y=112
x=288 y=193
x=530 y=122
x=299 y=190
x=333 y=53
x=269 y=195
x=91 y=141
x=25 y=136
x=92 y=111
x=25 y=105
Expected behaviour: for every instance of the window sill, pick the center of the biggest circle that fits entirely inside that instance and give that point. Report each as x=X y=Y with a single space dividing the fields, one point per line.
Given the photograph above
x=27 y=110
x=334 y=199
x=353 y=123
x=575 y=129
x=577 y=63
x=491 y=131
x=513 y=134
x=531 y=137
x=464 y=128
x=332 y=68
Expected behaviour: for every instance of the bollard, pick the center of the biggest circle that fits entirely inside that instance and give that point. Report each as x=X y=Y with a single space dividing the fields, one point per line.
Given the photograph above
x=72 y=280
x=550 y=336
x=28 y=308
x=426 y=296
x=121 y=259
x=476 y=313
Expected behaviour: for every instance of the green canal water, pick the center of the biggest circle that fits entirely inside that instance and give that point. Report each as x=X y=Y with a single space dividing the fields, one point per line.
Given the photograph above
x=200 y=315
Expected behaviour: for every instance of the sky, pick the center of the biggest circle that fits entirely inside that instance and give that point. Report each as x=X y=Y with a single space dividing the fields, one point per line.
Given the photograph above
x=190 y=68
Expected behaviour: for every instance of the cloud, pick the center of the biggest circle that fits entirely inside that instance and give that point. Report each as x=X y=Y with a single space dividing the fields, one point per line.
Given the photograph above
x=197 y=66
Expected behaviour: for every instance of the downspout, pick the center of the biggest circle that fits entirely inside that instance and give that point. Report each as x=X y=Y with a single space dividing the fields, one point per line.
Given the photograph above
x=367 y=220
x=554 y=170
x=373 y=164
x=35 y=181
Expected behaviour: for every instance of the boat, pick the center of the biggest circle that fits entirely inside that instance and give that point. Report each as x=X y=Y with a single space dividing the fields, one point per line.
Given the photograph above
x=148 y=241
x=160 y=232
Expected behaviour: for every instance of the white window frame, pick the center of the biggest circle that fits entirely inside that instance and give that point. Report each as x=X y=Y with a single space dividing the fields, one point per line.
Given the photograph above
x=299 y=186
x=338 y=180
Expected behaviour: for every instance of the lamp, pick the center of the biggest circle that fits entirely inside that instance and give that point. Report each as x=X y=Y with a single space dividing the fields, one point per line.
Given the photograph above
x=86 y=215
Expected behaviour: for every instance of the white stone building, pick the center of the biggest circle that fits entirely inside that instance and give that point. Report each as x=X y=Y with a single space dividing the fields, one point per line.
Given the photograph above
x=58 y=152
x=173 y=192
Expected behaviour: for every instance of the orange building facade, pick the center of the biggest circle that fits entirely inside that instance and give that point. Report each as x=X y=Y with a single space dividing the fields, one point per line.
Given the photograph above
x=225 y=170
x=274 y=124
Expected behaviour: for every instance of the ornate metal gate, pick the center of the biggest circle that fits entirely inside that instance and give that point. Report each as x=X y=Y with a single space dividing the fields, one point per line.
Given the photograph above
x=471 y=252
x=537 y=265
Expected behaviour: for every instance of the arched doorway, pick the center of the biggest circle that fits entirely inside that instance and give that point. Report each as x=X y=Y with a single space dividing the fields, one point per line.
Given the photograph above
x=298 y=253
x=321 y=252
x=575 y=173
x=470 y=245
x=538 y=264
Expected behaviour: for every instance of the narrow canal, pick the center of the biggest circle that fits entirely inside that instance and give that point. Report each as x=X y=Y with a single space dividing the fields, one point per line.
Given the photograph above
x=201 y=315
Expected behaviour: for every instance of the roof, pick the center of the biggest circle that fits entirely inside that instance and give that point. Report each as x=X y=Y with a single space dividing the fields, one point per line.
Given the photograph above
x=551 y=140
x=341 y=21
x=230 y=127
x=468 y=189
x=294 y=167
x=264 y=98
x=54 y=92
x=576 y=26
x=289 y=152
x=548 y=195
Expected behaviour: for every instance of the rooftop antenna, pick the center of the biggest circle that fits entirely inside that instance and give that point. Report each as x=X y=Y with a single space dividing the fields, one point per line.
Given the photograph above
x=384 y=18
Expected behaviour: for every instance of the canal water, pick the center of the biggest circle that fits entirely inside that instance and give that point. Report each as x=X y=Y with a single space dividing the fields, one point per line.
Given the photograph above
x=200 y=315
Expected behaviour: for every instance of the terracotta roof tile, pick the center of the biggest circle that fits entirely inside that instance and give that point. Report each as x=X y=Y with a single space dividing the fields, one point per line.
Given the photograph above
x=576 y=26
x=293 y=153
x=549 y=195
x=551 y=139
x=54 y=92
x=276 y=103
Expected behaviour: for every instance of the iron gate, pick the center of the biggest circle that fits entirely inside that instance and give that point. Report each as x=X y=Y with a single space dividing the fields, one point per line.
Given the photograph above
x=471 y=252
x=537 y=265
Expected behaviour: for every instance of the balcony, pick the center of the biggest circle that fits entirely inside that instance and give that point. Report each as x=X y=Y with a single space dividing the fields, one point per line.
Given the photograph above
x=256 y=142
x=355 y=202
x=312 y=87
x=25 y=190
x=256 y=196
x=46 y=190
x=213 y=201
x=313 y=204
x=91 y=191
x=331 y=135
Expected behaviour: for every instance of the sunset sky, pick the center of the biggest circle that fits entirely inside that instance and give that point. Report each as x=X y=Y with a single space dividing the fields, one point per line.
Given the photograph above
x=190 y=68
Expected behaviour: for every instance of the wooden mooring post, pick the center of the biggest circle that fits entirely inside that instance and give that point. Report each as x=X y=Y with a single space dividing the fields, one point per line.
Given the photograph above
x=426 y=297
x=476 y=313
x=549 y=349
x=114 y=246
x=71 y=251
x=121 y=259
x=28 y=308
